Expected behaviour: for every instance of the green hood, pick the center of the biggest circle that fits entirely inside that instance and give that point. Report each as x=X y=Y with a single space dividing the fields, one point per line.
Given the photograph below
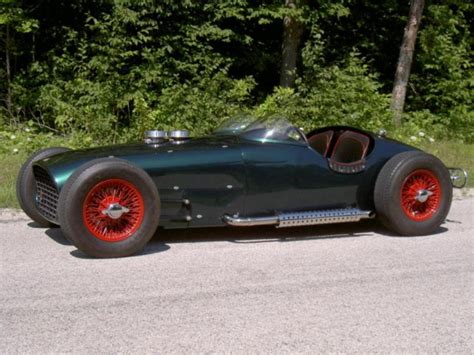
x=149 y=157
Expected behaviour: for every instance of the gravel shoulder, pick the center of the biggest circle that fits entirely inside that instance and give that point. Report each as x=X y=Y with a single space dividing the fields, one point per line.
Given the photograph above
x=340 y=288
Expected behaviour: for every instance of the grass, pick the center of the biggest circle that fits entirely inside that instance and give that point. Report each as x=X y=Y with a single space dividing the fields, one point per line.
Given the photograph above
x=453 y=154
x=9 y=165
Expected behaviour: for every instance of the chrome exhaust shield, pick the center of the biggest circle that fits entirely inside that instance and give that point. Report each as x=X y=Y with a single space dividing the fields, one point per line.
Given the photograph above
x=296 y=219
x=323 y=217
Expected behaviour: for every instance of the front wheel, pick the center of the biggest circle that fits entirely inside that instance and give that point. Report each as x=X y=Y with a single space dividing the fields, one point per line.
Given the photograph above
x=109 y=208
x=413 y=193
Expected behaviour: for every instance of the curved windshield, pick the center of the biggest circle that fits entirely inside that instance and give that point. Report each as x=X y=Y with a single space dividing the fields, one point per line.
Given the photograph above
x=269 y=129
x=235 y=124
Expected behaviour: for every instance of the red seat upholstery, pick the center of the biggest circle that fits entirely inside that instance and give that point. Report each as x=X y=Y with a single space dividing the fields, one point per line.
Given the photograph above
x=320 y=142
x=351 y=147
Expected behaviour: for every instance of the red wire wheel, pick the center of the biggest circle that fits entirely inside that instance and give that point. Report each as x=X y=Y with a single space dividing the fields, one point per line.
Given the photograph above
x=421 y=195
x=108 y=193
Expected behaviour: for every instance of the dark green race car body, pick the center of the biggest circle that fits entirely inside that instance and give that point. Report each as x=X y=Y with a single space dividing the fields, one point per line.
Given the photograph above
x=204 y=179
x=109 y=201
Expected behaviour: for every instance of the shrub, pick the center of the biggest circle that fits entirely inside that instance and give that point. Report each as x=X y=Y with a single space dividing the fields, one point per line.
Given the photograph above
x=344 y=94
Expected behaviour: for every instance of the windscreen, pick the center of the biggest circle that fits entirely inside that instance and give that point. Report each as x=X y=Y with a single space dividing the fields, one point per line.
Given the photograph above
x=269 y=129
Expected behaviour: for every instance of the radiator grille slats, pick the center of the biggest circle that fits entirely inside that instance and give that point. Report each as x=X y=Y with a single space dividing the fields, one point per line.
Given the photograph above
x=47 y=195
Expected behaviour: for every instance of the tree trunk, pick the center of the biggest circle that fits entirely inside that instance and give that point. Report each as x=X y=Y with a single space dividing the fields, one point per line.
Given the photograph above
x=292 y=31
x=8 y=99
x=405 y=60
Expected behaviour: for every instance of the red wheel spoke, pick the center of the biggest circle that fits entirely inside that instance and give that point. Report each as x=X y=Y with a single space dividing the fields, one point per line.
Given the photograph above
x=110 y=192
x=420 y=182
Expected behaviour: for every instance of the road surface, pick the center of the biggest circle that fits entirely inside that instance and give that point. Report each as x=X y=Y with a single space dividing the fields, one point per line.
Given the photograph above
x=340 y=288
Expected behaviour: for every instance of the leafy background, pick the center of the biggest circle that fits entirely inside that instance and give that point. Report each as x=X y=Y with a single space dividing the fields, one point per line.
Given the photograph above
x=95 y=72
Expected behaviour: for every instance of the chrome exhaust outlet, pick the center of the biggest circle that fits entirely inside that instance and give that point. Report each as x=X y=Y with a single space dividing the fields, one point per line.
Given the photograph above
x=296 y=219
x=458 y=177
x=249 y=221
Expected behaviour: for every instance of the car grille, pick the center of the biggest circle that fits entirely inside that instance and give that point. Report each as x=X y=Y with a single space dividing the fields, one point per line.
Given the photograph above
x=47 y=194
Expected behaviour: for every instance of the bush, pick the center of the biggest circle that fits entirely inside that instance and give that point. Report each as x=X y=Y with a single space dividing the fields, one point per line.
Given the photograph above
x=344 y=94
x=27 y=138
x=197 y=106
x=445 y=79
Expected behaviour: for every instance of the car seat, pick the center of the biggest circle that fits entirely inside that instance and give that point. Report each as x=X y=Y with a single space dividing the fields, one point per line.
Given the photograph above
x=321 y=142
x=348 y=155
x=350 y=147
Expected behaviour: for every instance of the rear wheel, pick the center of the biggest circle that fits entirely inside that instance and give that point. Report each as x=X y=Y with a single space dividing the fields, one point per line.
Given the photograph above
x=413 y=193
x=109 y=208
x=26 y=185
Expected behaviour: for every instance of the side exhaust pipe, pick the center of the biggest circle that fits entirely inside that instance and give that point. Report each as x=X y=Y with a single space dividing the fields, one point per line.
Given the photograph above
x=250 y=221
x=296 y=219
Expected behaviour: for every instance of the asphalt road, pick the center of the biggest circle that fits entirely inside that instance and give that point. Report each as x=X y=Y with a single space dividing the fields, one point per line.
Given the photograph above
x=345 y=288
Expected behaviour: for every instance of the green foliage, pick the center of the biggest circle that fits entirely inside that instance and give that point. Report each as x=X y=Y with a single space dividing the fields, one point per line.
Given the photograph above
x=135 y=67
x=343 y=94
x=346 y=94
x=419 y=127
x=25 y=139
x=199 y=106
x=445 y=82
x=103 y=72
x=13 y=15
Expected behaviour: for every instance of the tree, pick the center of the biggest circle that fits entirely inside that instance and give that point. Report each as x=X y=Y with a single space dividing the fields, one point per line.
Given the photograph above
x=443 y=78
x=292 y=32
x=13 y=19
x=405 y=60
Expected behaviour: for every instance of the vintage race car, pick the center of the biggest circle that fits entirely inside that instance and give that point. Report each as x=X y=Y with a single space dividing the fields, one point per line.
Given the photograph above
x=109 y=201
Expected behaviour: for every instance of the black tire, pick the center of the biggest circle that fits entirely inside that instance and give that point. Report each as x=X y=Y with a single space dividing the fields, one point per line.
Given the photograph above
x=396 y=185
x=85 y=184
x=26 y=185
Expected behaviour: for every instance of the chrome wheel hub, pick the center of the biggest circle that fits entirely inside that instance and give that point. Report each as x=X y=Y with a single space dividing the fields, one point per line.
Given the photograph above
x=115 y=210
x=422 y=195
